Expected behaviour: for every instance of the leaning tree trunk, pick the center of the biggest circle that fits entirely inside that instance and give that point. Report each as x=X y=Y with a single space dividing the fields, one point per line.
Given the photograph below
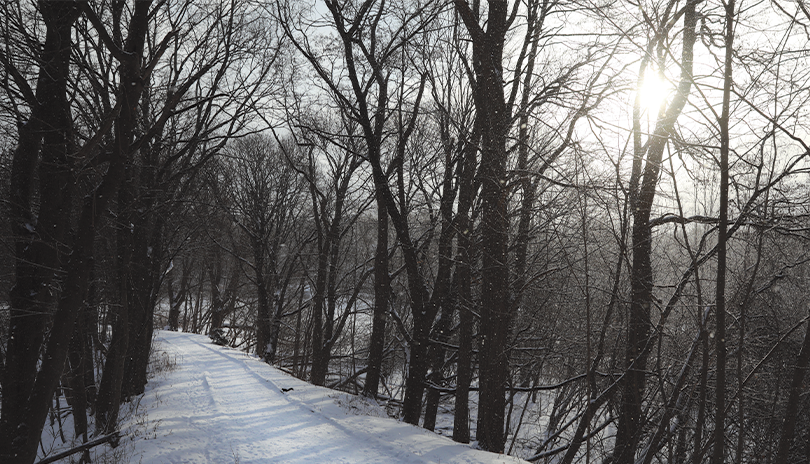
x=38 y=234
x=642 y=193
x=793 y=403
x=111 y=388
x=436 y=352
x=112 y=379
x=22 y=445
x=131 y=87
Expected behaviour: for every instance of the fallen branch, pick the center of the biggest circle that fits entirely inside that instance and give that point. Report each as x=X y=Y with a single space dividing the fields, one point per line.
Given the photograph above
x=536 y=388
x=343 y=382
x=113 y=437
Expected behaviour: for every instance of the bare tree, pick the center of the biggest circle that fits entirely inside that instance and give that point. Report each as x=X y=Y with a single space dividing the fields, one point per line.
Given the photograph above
x=263 y=195
x=643 y=185
x=106 y=78
x=24 y=411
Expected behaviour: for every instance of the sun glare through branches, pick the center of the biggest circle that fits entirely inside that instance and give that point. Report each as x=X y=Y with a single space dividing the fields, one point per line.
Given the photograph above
x=654 y=92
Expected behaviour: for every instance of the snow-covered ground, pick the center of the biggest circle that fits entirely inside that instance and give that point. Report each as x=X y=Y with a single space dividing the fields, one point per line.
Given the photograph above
x=219 y=405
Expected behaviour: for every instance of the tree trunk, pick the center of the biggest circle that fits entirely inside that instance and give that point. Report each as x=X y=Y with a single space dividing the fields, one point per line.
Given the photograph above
x=382 y=292
x=217 y=303
x=76 y=394
x=38 y=235
x=697 y=448
x=718 y=452
x=263 y=302
x=297 y=367
x=417 y=370
x=278 y=312
x=89 y=331
x=112 y=388
x=145 y=282
x=112 y=379
x=319 y=364
x=436 y=355
x=441 y=293
x=131 y=86
x=793 y=402
x=463 y=287
x=496 y=314
x=325 y=298
x=642 y=194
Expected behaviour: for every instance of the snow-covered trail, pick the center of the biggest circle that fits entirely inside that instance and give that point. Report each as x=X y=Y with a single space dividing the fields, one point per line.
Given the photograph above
x=222 y=406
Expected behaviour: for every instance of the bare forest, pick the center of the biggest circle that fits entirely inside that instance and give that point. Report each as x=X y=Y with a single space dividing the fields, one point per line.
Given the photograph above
x=572 y=231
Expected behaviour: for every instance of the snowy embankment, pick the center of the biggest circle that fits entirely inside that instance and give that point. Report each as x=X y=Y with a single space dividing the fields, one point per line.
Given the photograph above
x=221 y=406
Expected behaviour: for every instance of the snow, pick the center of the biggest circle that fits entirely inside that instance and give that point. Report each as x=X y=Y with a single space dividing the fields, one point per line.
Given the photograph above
x=221 y=406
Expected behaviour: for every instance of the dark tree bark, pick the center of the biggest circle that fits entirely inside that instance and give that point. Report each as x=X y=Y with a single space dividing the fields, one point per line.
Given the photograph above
x=131 y=87
x=76 y=393
x=329 y=232
x=283 y=284
x=793 y=405
x=45 y=140
x=112 y=379
x=437 y=354
x=463 y=287
x=496 y=315
x=371 y=113
x=79 y=269
x=642 y=193
x=382 y=292
x=222 y=303
x=718 y=452
x=263 y=297
x=180 y=298
x=145 y=279
x=697 y=448
x=217 y=300
x=22 y=444
x=442 y=328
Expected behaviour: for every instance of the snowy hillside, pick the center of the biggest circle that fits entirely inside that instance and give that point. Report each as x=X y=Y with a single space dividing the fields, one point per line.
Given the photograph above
x=220 y=406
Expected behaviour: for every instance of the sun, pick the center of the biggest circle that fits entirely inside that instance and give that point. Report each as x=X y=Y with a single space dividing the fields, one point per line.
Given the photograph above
x=654 y=91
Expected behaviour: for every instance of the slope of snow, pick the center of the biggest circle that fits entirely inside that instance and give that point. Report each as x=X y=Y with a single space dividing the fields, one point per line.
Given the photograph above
x=222 y=406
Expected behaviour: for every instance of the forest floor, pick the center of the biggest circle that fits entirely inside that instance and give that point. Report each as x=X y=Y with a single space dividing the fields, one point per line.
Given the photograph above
x=219 y=405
